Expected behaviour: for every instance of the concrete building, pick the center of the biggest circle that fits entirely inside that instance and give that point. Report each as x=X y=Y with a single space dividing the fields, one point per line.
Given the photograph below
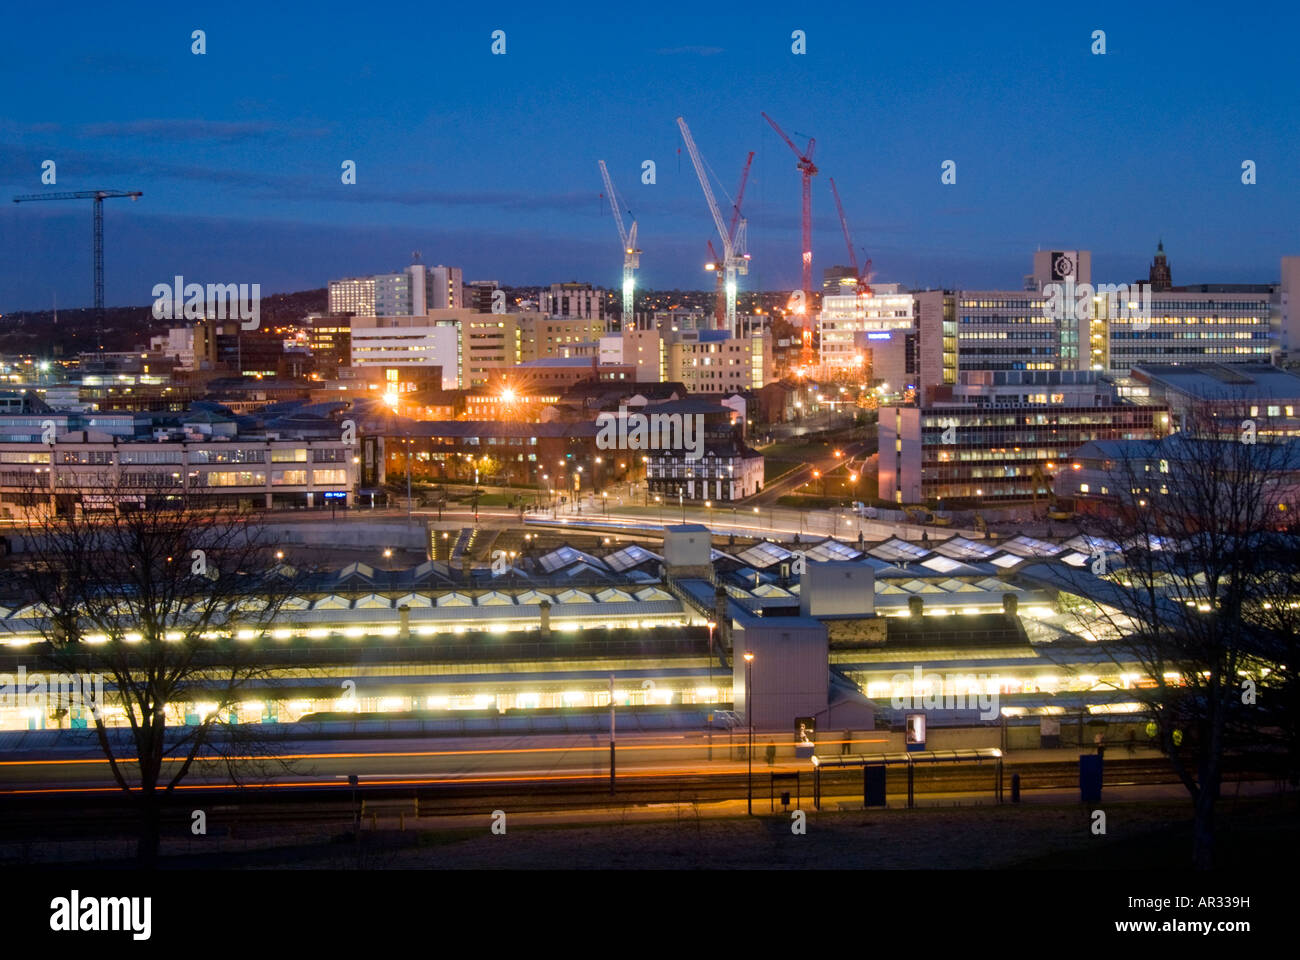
x=201 y=454
x=411 y=292
x=1003 y=435
x=876 y=334
x=1193 y=327
x=714 y=361
x=400 y=342
x=1198 y=394
x=1288 y=304
x=573 y=300
x=488 y=343
x=543 y=335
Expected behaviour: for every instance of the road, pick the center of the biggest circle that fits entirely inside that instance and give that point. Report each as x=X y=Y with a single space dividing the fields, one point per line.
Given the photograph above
x=492 y=763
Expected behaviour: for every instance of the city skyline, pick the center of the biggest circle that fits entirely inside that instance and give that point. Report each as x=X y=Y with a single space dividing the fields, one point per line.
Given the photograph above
x=487 y=168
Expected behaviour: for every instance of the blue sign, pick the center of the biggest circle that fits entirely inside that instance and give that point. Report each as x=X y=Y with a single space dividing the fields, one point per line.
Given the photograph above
x=335 y=495
x=878 y=336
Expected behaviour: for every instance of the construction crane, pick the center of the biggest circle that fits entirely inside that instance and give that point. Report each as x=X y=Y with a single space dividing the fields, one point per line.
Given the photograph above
x=864 y=274
x=98 y=196
x=631 y=255
x=715 y=263
x=734 y=258
x=807 y=170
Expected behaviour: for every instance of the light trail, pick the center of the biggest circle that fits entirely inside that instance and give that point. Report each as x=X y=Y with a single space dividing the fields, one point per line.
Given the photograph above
x=602 y=747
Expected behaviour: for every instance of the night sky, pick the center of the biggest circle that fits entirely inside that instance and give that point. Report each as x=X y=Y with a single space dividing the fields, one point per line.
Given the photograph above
x=489 y=162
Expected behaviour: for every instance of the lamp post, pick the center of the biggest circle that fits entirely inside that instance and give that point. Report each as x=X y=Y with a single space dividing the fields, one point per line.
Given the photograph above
x=409 y=442
x=712 y=624
x=611 y=734
x=749 y=709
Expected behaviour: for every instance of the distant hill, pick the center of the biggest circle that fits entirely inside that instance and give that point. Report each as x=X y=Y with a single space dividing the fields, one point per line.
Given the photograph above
x=125 y=328
x=36 y=332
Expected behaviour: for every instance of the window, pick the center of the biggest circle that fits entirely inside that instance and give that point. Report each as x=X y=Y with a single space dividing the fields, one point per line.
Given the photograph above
x=298 y=455
x=329 y=477
x=235 y=478
x=288 y=477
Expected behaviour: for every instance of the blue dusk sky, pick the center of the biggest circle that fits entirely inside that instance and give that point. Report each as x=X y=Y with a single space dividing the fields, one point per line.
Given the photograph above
x=489 y=162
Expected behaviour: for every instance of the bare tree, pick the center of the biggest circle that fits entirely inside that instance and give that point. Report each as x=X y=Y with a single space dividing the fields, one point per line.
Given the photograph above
x=1198 y=576
x=164 y=596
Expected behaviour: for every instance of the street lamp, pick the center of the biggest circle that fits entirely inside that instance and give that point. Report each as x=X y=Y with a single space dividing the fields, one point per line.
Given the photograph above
x=712 y=624
x=749 y=709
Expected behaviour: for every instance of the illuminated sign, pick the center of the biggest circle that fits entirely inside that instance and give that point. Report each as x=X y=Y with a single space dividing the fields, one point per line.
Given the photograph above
x=878 y=336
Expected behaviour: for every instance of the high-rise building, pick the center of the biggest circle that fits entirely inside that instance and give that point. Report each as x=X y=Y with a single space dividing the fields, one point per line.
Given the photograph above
x=411 y=292
x=353 y=295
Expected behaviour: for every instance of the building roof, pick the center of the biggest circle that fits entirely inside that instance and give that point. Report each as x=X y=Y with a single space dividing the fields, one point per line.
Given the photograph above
x=1217 y=381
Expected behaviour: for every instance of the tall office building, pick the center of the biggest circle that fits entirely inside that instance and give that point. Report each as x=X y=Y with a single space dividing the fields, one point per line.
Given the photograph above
x=411 y=292
x=859 y=333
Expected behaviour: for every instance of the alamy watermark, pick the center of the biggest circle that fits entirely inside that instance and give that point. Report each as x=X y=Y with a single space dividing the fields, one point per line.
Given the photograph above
x=932 y=692
x=654 y=431
x=1124 y=301
x=217 y=301
x=49 y=692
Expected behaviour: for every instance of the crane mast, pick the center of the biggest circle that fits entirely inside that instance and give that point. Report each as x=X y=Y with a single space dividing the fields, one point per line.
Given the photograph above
x=98 y=196
x=807 y=170
x=631 y=255
x=862 y=274
x=734 y=258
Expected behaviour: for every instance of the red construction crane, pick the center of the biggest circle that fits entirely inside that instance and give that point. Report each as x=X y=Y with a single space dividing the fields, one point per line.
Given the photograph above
x=807 y=170
x=715 y=262
x=863 y=274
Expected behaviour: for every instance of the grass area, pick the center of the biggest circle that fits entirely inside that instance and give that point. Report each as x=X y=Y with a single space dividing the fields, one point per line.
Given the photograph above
x=798 y=451
x=495 y=499
x=775 y=469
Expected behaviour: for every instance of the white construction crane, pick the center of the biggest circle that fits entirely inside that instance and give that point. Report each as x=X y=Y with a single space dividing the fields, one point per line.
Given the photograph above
x=735 y=259
x=631 y=255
